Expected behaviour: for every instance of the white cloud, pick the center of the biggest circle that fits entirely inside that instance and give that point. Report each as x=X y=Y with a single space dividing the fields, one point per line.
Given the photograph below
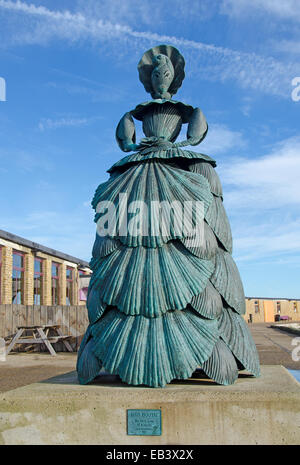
x=25 y=160
x=284 y=9
x=220 y=139
x=262 y=199
x=271 y=181
x=138 y=13
x=261 y=241
x=278 y=237
x=288 y=46
x=246 y=106
x=248 y=69
x=69 y=232
x=48 y=123
x=106 y=94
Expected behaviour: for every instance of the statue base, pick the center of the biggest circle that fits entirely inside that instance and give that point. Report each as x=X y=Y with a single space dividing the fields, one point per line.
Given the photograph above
x=263 y=410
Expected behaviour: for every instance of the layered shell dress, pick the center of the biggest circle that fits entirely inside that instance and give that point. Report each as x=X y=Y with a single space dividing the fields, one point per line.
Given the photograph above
x=160 y=305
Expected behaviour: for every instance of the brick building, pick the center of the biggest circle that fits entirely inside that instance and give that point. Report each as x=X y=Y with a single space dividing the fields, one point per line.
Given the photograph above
x=32 y=274
x=265 y=309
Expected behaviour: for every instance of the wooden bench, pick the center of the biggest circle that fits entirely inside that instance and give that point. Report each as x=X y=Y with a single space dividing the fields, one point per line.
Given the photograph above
x=40 y=335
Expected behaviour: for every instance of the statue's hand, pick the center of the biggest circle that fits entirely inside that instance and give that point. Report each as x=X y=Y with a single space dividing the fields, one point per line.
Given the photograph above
x=151 y=142
x=164 y=143
x=131 y=147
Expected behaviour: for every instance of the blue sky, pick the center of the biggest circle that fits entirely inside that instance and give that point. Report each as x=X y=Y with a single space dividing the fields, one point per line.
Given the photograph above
x=70 y=72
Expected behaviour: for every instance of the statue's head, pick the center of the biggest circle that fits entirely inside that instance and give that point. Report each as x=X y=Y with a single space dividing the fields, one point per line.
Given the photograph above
x=162 y=76
x=161 y=70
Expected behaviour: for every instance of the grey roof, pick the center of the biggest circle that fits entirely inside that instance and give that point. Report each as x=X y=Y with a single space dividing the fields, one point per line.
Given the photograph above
x=41 y=248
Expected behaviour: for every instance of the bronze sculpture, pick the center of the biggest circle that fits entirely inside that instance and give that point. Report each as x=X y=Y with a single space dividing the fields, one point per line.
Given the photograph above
x=165 y=296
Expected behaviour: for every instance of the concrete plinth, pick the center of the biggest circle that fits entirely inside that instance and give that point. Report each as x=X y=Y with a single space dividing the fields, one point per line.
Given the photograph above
x=265 y=410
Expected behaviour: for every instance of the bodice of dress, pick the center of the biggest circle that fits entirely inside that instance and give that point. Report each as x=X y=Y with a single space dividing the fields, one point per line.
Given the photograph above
x=162 y=121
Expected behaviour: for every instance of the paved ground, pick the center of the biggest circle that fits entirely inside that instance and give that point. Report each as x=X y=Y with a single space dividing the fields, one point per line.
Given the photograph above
x=20 y=369
x=274 y=346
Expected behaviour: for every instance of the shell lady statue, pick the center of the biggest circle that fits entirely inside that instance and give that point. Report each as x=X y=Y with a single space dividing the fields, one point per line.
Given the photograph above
x=165 y=296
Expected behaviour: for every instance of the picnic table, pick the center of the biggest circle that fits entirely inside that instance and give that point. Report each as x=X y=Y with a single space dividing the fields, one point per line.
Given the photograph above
x=40 y=335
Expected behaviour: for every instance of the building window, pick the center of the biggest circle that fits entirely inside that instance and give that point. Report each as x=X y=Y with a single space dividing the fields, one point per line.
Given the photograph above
x=69 y=285
x=55 y=283
x=18 y=278
x=278 y=307
x=256 y=306
x=0 y=272
x=38 y=281
x=83 y=287
x=295 y=307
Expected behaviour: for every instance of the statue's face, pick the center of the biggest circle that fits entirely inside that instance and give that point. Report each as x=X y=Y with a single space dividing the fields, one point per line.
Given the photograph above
x=161 y=77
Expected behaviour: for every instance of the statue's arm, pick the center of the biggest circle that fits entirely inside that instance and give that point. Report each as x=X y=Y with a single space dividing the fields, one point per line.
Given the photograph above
x=197 y=129
x=125 y=133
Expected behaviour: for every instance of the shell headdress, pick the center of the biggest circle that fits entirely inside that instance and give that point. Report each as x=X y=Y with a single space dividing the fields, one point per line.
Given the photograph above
x=147 y=64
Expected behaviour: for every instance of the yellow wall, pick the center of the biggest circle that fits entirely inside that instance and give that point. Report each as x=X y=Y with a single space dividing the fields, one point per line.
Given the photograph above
x=268 y=309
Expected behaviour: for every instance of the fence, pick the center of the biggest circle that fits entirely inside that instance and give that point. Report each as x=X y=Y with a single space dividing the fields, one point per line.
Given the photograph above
x=72 y=319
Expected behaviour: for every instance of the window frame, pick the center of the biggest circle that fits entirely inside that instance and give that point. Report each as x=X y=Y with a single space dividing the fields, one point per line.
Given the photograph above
x=295 y=306
x=40 y=275
x=56 y=280
x=22 y=270
x=278 y=306
x=82 y=273
x=70 y=286
x=256 y=306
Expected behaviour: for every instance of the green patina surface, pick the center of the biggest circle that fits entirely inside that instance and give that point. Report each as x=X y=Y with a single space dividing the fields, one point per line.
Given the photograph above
x=159 y=307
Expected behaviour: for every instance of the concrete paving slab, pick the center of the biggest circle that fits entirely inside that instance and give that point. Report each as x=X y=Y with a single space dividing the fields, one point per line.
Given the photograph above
x=263 y=410
x=20 y=369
